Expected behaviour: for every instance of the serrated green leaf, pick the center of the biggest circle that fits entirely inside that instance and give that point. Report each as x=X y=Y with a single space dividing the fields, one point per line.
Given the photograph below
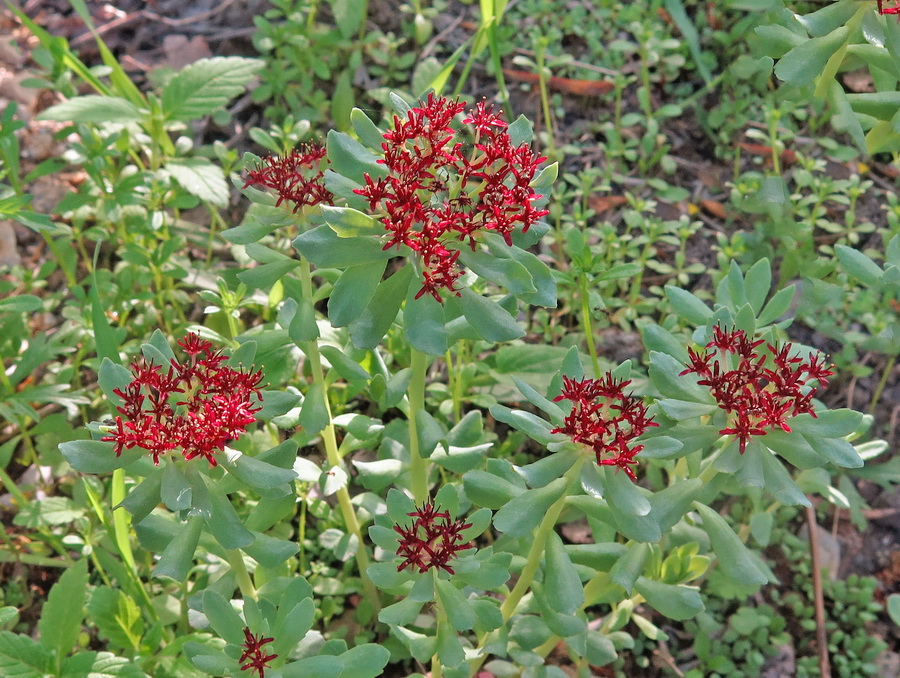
x=93 y=108
x=117 y=617
x=201 y=178
x=62 y=614
x=205 y=85
x=22 y=657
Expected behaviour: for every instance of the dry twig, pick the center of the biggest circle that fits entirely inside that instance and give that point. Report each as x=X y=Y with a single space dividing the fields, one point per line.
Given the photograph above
x=821 y=633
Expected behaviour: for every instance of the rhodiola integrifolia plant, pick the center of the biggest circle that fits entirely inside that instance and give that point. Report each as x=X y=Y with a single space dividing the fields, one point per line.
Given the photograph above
x=423 y=235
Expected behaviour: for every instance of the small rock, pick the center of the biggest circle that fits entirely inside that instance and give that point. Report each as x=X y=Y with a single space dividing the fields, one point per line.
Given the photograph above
x=829 y=549
x=887 y=664
x=9 y=251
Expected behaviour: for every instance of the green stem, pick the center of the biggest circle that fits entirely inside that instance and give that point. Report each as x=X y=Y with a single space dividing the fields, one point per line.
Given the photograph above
x=13 y=489
x=541 y=45
x=708 y=470
x=540 y=541
x=418 y=467
x=882 y=383
x=526 y=577
x=588 y=327
x=245 y=584
x=440 y=627
x=121 y=532
x=311 y=348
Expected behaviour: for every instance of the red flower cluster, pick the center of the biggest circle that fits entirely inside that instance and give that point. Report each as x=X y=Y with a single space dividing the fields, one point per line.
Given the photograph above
x=605 y=419
x=757 y=395
x=258 y=659
x=889 y=10
x=432 y=540
x=199 y=405
x=437 y=193
x=297 y=178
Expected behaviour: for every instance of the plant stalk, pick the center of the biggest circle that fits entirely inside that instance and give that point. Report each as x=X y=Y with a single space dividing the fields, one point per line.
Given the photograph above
x=351 y=521
x=535 y=554
x=244 y=582
x=418 y=467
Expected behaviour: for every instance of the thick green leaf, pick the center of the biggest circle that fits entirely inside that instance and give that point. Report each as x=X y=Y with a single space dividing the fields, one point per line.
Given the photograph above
x=343 y=364
x=562 y=585
x=276 y=403
x=599 y=650
x=175 y=490
x=630 y=566
x=449 y=649
x=259 y=475
x=490 y=320
x=370 y=327
x=836 y=450
x=532 y=425
x=96 y=456
x=675 y=602
x=206 y=85
x=351 y=159
x=665 y=373
x=459 y=613
x=295 y=624
x=225 y=525
x=688 y=306
x=401 y=613
x=735 y=560
x=623 y=494
x=62 y=614
x=777 y=306
x=223 y=618
x=353 y=291
x=423 y=323
x=523 y=513
x=265 y=275
x=351 y=223
x=670 y=505
x=828 y=424
x=859 y=265
x=314 y=414
x=508 y=273
x=488 y=490
x=541 y=278
x=143 y=498
x=804 y=62
x=326 y=249
x=178 y=557
x=93 y=108
x=366 y=130
x=757 y=283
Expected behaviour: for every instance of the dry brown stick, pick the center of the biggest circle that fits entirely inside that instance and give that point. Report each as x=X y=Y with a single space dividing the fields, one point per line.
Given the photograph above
x=189 y=19
x=821 y=633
